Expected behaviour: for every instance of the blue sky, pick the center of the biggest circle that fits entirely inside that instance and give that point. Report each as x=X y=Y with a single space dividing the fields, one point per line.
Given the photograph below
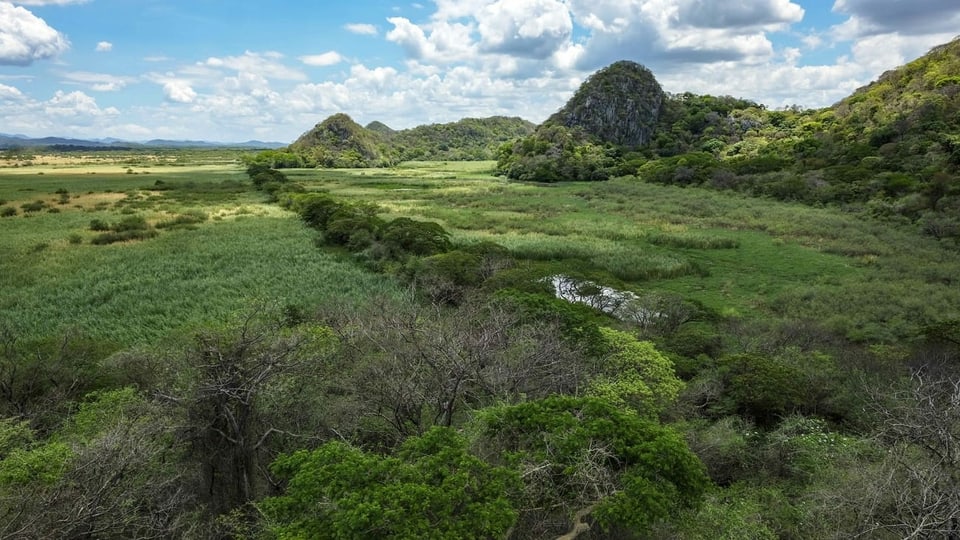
x=240 y=70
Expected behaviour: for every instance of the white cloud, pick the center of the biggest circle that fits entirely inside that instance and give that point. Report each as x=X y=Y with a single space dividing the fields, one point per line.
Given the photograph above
x=100 y=82
x=526 y=28
x=328 y=58
x=361 y=29
x=24 y=37
x=267 y=64
x=10 y=93
x=77 y=106
x=446 y=42
x=914 y=17
x=104 y=46
x=179 y=91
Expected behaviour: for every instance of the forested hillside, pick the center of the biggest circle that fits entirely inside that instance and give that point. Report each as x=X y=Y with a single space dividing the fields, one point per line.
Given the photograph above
x=340 y=142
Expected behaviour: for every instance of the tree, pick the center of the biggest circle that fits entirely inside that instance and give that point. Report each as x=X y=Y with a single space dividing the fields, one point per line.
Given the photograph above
x=587 y=457
x=433 y=488
x=112 y=471
x=412 y=367
x=916 y=491
x=241 y=388
x=634 y=375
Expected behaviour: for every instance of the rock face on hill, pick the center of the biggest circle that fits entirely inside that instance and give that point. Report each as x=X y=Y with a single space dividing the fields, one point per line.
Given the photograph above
x=616 y=109
x=619 y=104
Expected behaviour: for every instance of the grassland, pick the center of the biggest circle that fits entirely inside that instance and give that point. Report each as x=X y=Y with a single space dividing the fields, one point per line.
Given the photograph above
x=224 y=249
x=739 y=256
x=236 y=252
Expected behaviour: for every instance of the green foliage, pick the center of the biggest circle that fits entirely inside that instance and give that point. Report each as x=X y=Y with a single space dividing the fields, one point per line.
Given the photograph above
x=99 y=411
x=579 y=452
x=42 y=464
x=41 y=379
x=761 y=387
x=8 y=211
x=14 y=434
x=262 y=174
x=634 y=375
x=340 y=142
x=432 y=488
x=467 y=139
x=186 y=220
x=767 y=387
x=414 y=237
x=556 y=153
x=35 y=206
x=578 y=323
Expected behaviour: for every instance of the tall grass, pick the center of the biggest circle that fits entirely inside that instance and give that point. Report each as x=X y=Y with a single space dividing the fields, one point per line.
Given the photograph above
x=218 y=251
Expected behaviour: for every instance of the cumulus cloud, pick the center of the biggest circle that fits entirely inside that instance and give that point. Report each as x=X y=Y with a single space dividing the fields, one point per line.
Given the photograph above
x=442 y=41
x=10 y=92
x=78 y=107
x=104 y=46
x=527 y=28
x=179 y=91
x=742 y=14
x=24 y=37
x=361 y=29
x=916 y=17
x=328 y=58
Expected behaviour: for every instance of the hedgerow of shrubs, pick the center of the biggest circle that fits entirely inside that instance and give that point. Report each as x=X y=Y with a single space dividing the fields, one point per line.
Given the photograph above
x=128 y=228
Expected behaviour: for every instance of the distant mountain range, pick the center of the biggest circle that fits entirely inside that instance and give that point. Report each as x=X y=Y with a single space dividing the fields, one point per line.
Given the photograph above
x=63 y=143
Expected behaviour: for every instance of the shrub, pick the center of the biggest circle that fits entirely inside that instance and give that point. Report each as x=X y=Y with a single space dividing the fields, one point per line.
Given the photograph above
x=350 y=229
x=187 y=219
x=113 y=237
x=8 y=211
x=404 y=235
x=99 y=225
x=130 y=223
x=34 y=206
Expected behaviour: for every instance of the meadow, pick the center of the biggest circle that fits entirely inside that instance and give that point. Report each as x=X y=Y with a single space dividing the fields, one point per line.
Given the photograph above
x=231 y=253
x=739 y=256
x=221 y=248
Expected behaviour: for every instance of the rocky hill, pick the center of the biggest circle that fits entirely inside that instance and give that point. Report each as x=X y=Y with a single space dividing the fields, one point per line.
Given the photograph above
x=619 y=104
x=616 y=108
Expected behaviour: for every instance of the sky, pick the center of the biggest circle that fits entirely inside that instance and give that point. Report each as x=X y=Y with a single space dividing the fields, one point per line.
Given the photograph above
x=236 y=70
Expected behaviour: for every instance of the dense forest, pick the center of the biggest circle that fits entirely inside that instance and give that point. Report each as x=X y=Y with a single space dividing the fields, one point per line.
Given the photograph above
x=525 y=361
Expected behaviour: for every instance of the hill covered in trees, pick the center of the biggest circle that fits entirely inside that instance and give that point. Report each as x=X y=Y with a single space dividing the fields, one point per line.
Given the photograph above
x=892 y=148
x=340 y=142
